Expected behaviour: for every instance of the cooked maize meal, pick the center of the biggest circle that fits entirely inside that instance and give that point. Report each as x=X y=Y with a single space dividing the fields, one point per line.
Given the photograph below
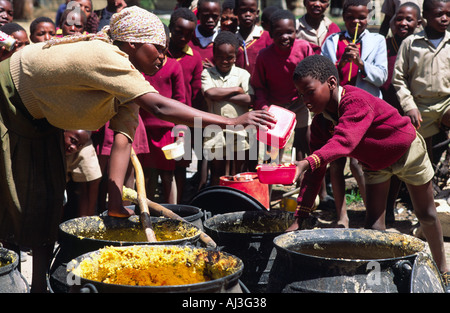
x=155 y=265
x=163 y=232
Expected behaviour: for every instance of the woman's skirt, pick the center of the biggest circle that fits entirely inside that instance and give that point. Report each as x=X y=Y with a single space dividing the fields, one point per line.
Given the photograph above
x=32 y=171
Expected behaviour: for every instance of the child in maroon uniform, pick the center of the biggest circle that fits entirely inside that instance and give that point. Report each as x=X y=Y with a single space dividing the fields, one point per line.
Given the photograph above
x=208 y=14
x=169 y=82
x=182 y=26
x=405 y=22
x=253 y=38
x=349 y=121
x=314 y=26
x=272 y=76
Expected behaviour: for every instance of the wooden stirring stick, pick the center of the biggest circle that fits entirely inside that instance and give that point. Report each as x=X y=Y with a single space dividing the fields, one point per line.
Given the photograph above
x=142 y=198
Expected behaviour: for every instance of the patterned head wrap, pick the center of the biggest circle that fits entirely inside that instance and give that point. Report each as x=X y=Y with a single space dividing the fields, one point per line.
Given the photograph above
x=132 y=24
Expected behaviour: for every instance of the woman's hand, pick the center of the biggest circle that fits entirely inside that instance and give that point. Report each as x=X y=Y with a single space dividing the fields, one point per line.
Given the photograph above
x=415 y=116
x=258 y=118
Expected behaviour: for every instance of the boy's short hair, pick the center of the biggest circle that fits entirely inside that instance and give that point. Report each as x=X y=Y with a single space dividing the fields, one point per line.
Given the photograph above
x=281 y=14
x=226 y=37
x=183 y=13
x=267 y=12
x=413 y=6
x=37 y=21
x=229 y=4
x=428 y=5
x=200 y=3
x=354 y=3
x=316 y=66
x=10 y=28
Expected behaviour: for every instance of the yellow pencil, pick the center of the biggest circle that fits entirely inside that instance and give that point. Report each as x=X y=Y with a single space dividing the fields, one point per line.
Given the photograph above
x=354 y=40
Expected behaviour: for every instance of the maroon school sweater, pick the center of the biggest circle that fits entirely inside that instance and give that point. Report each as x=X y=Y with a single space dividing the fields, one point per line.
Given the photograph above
x=192 y=72
x=369 y=130
x=272 y=77
x=252 y=48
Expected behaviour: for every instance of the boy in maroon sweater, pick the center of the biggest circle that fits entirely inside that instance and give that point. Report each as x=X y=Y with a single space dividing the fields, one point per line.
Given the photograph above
x=351 y=122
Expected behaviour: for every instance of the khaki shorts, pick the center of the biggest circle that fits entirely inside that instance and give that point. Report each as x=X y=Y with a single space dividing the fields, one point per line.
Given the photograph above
x=414 y=167
x=83 y=166
x=432 y=117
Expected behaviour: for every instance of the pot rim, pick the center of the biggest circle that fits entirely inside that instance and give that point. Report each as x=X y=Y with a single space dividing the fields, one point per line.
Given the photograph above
x=346 y=230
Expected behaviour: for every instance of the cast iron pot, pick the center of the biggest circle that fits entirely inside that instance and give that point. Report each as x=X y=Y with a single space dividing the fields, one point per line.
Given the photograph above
x=249 y=235
x=352 y=261
x=228 y=283
x=11 y=280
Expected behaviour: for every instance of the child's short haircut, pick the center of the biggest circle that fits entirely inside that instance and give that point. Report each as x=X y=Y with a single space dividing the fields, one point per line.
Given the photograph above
x=316 y=66
x=413 y=6
x=226 y=37
x=267 y=13
x=183 y=13
x=428 y=5
x=200 y=2
x=10 y=28
x=281 y=15
x=229 y=4
x=37 y=21
x=354 y=3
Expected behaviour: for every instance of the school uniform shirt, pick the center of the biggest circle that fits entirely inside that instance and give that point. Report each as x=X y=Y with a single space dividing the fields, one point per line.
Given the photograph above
x=79 y=85
x=250 y=47
x=204 y=45
x=169 y=82
x=316 y=37
x=272 y=77
x=191 y=64
x=388 y=90
x=373 y=54
x=368 y=129
x=421 y=73
x=211 y=78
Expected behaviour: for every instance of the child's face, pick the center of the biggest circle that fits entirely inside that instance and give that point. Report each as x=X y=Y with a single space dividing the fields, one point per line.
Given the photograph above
x=21 y=39
x=44 y=31
x=73 y=27
x=248 y=13
x=209 y=14
x=438 y=18
x=86 y=6
x=355 y=15
x=74 y=140
x=224 y=57
x=283 y=33
x=6 y=12
x=405 y=22
x=315 y=94
x=228 y=21
x=181 y=33
x=316 y=8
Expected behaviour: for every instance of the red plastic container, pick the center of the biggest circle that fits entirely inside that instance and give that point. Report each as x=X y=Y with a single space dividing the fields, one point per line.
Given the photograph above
x=249 y=183
x=279 y=135
x=282 y=174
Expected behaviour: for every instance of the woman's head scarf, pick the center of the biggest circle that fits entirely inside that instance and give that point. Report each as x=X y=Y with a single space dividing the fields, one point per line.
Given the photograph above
x=132 y=24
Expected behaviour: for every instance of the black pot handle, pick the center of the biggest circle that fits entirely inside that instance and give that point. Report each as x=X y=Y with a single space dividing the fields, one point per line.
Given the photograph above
x=88 y=288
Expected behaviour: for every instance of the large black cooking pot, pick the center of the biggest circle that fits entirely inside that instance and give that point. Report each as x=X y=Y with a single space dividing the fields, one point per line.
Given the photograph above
x=229 y=282
x=249 y=235
x=11 y=280
x=72 y=243
x=352 y=261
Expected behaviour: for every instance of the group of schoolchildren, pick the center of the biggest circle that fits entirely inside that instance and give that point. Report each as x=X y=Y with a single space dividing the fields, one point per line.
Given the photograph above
x=219 y=58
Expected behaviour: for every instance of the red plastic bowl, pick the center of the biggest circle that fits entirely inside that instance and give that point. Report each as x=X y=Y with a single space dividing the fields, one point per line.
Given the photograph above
x=283 y=174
